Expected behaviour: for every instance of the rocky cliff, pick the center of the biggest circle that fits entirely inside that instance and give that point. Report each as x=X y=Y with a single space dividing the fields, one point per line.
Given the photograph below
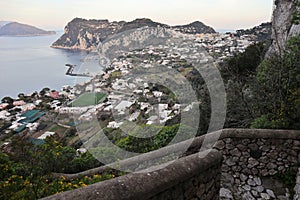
x=282 y=26
x=86 y=34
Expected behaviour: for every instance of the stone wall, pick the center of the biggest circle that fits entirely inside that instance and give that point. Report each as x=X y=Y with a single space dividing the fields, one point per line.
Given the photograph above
x=247 y=160
x=190 y=178
x=297 y=186
x=251 y=162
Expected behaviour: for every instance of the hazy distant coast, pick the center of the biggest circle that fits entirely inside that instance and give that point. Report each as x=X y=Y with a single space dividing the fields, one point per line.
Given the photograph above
x=15 y=29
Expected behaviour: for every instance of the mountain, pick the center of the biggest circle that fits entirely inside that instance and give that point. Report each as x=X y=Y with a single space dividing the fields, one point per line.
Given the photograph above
x=2 y=23
x=86 y=34
x=138 y=23
x=194 y=28
x=262 y=32
x=18 y=29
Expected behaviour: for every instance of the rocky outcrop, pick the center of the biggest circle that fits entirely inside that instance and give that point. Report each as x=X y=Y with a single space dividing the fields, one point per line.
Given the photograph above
x=86 y=34
x=282 y=26
x=17 y=29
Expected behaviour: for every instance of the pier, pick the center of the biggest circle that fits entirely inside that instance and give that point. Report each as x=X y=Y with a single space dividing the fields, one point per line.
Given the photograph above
x=70 y=71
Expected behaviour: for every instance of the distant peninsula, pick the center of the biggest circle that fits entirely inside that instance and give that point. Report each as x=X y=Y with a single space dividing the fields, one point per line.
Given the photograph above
x=86 y=34
x=18 y=30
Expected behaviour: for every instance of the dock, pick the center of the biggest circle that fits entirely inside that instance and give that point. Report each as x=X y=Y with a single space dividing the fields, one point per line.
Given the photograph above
x=70 y=71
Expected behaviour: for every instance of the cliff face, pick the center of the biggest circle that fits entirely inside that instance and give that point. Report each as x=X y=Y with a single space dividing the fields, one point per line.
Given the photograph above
x=86 y=34
x=282 y=27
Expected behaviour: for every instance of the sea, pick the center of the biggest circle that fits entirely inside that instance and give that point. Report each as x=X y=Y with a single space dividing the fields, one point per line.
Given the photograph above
x=29 y=64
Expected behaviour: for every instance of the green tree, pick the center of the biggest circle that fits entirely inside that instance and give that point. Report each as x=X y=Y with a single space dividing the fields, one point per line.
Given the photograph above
x=8 y=100
x=44 y=91
x=239 y=75
x=278 y=89
x=21 y=96
x=296 y=13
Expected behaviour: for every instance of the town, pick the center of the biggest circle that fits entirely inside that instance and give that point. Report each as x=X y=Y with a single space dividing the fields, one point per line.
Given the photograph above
x=115 y=93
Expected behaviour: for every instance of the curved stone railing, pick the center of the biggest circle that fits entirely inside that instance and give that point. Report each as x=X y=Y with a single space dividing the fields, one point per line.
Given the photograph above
x=246 y=153
x=192 y=177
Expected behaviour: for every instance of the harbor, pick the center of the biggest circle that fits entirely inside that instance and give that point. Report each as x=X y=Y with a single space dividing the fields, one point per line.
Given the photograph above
x=70 y=71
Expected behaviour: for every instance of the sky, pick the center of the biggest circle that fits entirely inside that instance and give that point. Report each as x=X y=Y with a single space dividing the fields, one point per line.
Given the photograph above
x=220 y=14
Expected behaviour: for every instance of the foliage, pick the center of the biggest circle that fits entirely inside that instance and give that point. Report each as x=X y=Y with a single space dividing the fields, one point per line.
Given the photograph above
x=243 y=66
x=142 y=139
x=44 y=91
x=296 y=14
x=199 y=85
x=239 y=74
x=20 y=187
x=131 y=142
x=116 y=74
x=8 y=100
x=288 y=179
x=277 y=91
x=263 y=122
x=27 y=173
x=264 y=93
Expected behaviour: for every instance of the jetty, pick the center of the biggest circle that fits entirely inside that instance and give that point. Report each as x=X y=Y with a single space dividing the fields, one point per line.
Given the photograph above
x=70 y=71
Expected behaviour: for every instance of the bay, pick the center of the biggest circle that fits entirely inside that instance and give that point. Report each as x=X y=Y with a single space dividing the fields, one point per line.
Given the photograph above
x=29 y=64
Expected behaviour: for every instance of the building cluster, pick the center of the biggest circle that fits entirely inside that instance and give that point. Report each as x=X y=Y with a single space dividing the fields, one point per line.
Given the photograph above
x=24 y=112
x=127 y=97
x=222 y=46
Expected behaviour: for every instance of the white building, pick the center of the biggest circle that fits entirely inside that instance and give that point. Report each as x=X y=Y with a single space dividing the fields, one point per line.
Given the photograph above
x=157 y=94
x=71 y=110
x=123 y=105
x=114 y=124
x=4 y=114
x=45 y=135
x=144 y=105
x=26 y=107
x=134 y=116
x=32 y=126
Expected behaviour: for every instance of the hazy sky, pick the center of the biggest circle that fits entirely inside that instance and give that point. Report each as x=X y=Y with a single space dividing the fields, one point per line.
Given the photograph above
x=220 y=14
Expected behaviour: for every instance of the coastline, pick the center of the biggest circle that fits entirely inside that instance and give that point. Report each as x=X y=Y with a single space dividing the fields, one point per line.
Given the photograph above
x=31 y=35
x=28 y=64
x=72 y=48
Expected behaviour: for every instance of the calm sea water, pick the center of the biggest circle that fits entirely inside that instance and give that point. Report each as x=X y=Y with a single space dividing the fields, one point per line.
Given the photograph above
x=29 y=64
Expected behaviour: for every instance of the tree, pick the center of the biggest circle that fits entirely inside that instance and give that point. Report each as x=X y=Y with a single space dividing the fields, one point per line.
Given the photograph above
x=278 y=91
x=21 y=96
x=44 y=91
x=296 y=13
x=243 y=66
x=239 y=74
x=8 y=100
